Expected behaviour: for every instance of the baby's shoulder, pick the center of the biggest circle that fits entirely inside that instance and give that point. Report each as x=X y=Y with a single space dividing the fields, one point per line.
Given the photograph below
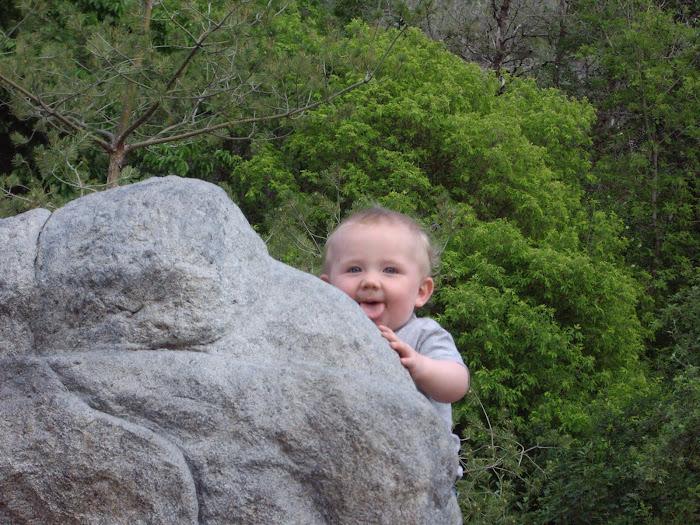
x=420 y=330
x=425 y=324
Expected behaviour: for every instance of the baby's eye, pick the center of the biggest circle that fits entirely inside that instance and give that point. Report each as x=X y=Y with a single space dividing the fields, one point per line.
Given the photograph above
x=390 y=269
x=354 y=269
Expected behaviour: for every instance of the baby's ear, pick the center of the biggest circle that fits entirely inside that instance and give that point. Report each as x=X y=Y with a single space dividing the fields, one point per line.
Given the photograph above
x=425 y=290
x=325 y=278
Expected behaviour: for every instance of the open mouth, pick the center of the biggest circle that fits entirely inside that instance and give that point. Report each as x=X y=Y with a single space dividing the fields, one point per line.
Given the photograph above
x=372 y=309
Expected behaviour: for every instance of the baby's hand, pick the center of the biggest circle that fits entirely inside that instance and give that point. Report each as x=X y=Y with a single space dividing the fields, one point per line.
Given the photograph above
x=445 y=381
x=409 y=358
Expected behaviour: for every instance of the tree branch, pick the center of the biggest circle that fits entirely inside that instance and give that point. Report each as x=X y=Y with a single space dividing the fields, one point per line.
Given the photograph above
x=75 y=127
x=269 y=118
x=242 y=122
x=147 y=115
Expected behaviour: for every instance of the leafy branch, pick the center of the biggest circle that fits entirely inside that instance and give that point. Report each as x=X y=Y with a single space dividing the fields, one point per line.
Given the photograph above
x=232 y=76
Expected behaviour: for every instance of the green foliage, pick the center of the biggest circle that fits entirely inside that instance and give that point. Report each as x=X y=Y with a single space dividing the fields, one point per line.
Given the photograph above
x=640 y=465
x=103 y=9
x=50 y=174
x=667 y=461
x=493 y=460
x=640 y=462
x=545 y=329
x=437 y=126
x=680 y=321
x=122 y=77
x=645 y=85
x=583 y=481
x=544 y=320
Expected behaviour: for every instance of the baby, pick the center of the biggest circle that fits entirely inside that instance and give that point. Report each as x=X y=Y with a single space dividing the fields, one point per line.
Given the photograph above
x=382 y=259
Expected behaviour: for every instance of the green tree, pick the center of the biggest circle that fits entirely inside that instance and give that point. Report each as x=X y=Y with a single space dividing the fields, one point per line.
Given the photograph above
x=531 y=285
x=144 y=75
x=637 y=63
x=639 y=465
x=645 y=85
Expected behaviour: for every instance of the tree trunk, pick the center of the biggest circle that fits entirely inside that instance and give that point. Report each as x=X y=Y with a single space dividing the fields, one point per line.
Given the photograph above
x=500 y=15
x=116 y=157
x=655 y=210
x=653 y=156
x=116 y=162
x=559 y=46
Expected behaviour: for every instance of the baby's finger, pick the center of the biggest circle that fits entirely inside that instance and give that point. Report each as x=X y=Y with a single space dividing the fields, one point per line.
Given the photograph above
x=385 y=330
x=401 y=348
x=389 y=335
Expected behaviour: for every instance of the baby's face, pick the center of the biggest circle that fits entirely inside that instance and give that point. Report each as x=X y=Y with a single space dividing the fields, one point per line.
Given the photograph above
x=382 y=267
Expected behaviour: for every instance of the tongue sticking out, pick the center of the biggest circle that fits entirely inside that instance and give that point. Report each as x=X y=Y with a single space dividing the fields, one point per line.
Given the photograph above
x=372 y=310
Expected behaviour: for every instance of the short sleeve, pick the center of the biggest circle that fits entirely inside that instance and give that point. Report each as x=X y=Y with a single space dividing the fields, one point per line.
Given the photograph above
x=430 y=339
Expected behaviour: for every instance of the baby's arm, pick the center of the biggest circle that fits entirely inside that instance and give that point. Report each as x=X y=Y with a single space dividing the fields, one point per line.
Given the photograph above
x=443 y=380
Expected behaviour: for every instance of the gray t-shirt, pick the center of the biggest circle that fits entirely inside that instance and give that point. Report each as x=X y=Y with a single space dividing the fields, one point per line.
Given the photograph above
x=430 y=339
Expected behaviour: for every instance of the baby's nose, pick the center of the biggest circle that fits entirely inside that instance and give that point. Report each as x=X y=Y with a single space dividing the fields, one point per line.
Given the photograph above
x=370 y=281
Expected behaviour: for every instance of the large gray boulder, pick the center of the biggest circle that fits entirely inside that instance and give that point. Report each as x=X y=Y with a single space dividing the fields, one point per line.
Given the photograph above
x=158 y=367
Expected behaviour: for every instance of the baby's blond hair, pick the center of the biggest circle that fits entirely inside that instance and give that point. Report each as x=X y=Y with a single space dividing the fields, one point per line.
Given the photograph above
x=377 y=215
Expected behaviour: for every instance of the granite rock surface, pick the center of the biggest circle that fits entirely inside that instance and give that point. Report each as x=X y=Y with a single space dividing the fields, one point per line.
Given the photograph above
x=158 y=367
